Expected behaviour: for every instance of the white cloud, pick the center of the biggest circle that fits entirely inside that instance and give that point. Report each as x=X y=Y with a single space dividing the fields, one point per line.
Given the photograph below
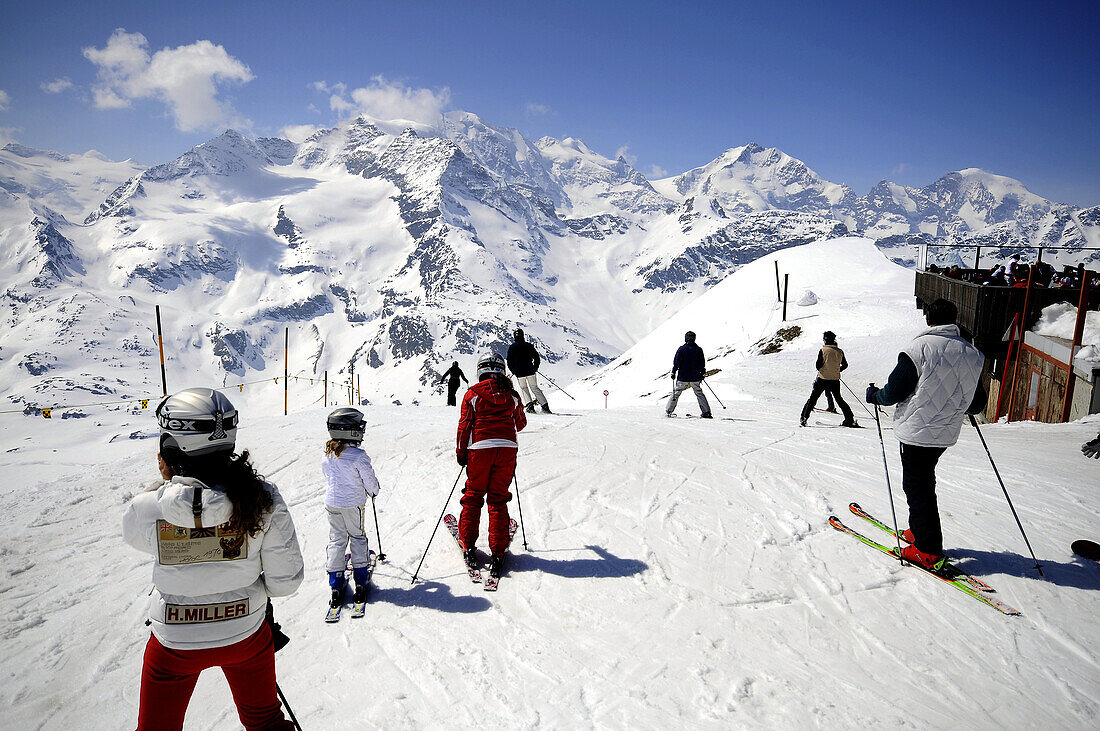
x=298 y=132
x=57 y=85
x=536 y=110
x=5 y=101
x=387 y=100
x=656 y=172
x=900 y=168
x=7 y=134
x=186 y=79
x=624 y=153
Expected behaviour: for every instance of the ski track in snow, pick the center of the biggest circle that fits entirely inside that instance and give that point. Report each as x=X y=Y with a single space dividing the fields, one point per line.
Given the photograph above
x=680 y=573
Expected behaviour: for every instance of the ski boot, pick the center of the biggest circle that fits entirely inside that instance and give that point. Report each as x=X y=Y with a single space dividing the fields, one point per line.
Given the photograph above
x=470 y=557
x=546 y=409
x=496 y=565
x=360 y=593
x=337 y=598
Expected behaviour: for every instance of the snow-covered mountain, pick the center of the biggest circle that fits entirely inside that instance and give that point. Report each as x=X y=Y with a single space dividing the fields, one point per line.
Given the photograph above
x=390 y=248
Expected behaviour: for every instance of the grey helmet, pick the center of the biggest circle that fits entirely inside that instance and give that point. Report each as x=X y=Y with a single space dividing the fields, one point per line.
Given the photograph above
x=489 y=363
x=346 y=424
x=197 y=422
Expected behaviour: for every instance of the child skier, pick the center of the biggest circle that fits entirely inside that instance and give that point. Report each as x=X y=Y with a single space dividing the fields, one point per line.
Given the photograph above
x=491 y=415
x=350 y=479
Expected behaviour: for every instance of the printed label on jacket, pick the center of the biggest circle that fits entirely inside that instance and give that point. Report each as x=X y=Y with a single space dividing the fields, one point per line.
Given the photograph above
x=178 y=546
x=196 y=613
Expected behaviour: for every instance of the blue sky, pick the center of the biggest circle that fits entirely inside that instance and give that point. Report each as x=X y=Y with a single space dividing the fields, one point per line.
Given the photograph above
x=859 y=91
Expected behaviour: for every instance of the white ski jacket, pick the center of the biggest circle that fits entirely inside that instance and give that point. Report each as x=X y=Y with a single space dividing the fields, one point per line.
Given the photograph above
x=211 y=585
x=350 y=478
x=948 y=370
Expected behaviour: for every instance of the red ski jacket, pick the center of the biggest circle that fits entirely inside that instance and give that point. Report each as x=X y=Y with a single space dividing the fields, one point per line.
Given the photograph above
x=489 y=417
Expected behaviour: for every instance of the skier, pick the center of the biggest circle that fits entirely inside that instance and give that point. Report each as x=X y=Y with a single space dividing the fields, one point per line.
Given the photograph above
x=688 y=369
x=350 y=479
x=223 y=542
x=936 y=382
x=523 y=361
x=452 y=376
x=830 y=362
x=1092 y=449
x=489 y=419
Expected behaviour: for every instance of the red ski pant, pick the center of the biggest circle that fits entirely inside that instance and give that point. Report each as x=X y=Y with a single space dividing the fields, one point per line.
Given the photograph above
x=168 y=678
x=489 y=472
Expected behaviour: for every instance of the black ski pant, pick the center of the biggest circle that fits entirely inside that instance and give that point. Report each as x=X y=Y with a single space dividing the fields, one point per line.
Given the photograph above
x=452 y=389
x=918 y=480
x=830 y=388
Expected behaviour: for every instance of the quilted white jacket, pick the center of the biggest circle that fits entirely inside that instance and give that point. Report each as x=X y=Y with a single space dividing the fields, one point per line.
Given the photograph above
x=210 y=587
x=948 y=369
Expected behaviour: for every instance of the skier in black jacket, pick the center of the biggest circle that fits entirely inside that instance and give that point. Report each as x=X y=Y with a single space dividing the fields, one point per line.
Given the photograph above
x=688 y=369
x=524 y=361
x=454 y=373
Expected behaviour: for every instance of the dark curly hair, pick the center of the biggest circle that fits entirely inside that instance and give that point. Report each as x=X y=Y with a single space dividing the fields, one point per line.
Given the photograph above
x=235 y=476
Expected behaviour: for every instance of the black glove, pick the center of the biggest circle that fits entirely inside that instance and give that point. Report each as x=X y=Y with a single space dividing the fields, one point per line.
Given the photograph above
x=674 y=376
x=277 y=635
x=461 y=459
x=871 y=391
x=1092 y=449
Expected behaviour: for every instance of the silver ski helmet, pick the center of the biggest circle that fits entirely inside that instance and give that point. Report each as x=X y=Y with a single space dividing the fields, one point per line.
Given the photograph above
x=197 y=422
x=346 y=424
x=489 y=363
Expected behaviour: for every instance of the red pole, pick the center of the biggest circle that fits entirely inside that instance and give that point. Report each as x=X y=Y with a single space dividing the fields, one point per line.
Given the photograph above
x=1078 y=331
x=1004 y=371
x=1019 y=350
x=286 y=371
x=160 y=344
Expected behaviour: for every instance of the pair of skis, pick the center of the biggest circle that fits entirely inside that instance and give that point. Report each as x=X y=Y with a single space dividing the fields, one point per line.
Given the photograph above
x=949 y=573
x=358 y=609
x=491 y=581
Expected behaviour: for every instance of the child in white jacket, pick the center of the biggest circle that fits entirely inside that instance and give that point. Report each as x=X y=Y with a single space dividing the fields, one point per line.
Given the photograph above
x=350 y=479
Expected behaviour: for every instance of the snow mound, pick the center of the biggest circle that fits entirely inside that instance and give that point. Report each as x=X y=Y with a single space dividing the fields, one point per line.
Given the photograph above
x=1059 y=320
x=808 y=299
x=861 y=294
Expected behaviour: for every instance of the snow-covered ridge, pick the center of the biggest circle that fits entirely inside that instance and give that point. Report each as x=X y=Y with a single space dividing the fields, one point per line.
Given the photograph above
x=399 y=247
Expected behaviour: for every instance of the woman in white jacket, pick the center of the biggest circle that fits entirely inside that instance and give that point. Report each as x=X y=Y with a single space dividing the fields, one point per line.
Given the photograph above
x=224 y=542
x=349 y=479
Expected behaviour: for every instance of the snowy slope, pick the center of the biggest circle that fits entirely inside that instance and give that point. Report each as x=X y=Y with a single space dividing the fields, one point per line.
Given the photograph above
x=681 y=572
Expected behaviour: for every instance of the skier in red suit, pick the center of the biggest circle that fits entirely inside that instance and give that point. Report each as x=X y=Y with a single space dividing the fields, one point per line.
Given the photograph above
x=490 y=416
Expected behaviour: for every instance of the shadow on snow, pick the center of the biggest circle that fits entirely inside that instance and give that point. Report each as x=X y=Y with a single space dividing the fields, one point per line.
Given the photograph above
x=1078 y=573
x=604 y=566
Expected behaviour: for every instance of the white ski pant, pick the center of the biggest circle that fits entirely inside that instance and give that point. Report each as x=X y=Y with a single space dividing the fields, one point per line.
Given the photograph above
x=682 y=386
x=346 y=524
x=529 y=389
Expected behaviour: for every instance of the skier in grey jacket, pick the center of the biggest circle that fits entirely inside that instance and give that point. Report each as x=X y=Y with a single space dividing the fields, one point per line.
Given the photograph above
x=936 y=382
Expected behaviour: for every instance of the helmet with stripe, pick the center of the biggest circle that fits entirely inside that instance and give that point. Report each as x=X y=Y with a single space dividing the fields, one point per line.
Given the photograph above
x=197 y=422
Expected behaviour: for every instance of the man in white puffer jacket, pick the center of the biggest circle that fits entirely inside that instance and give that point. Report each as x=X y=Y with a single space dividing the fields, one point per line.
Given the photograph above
x=936 y=382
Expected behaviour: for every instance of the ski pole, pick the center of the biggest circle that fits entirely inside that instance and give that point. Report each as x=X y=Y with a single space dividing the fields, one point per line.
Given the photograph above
x=551 y=382
x=886 y=468
x=857 y=398
x=287 y=705
x=523 y=531
x=381 y=553
x=712 y=393
x=1038 y=566
x=417 y=572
